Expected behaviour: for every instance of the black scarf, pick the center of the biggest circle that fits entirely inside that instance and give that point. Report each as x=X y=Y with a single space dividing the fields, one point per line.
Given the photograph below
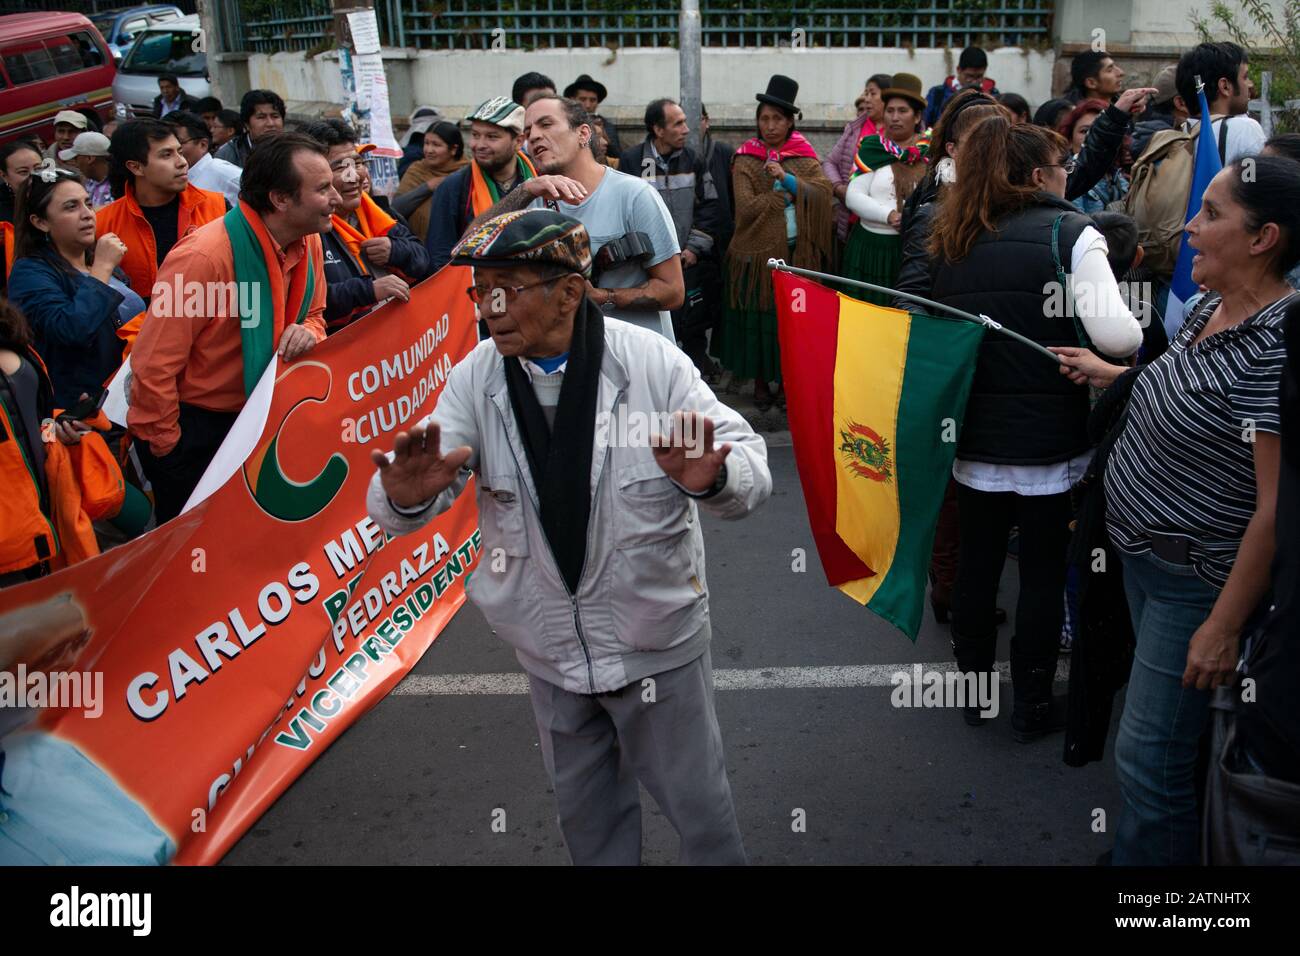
x=560 y=460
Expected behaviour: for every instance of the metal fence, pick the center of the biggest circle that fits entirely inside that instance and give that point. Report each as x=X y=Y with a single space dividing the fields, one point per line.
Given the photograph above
x=270 y=26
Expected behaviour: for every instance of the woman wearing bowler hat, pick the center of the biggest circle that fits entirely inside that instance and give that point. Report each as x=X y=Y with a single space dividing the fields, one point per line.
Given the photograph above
x=783 y=211
x=890 y=163
x=591 y=93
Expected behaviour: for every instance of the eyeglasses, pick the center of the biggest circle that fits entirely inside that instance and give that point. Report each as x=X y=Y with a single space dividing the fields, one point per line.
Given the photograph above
x=480 y=293
x=343 y=165
x=1070 y=165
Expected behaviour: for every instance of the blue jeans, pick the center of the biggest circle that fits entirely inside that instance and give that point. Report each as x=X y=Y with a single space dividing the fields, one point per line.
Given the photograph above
x=1156 y=749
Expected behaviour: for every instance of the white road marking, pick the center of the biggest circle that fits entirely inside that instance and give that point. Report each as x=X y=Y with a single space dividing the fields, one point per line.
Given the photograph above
x=758 y=678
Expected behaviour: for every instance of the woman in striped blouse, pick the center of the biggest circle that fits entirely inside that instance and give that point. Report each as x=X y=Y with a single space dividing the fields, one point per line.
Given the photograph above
x=1191 y=488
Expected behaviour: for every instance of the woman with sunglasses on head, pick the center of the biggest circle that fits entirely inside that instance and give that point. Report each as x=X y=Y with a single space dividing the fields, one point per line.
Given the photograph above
x=1009 y=246
x=64 y=281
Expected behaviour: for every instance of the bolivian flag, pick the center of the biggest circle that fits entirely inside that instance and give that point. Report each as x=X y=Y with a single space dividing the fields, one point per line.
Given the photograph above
x=875 y=398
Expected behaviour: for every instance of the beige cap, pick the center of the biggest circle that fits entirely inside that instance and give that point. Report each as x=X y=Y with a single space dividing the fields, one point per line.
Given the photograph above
x=89 y=143
x=1164 y=84
x=71 y=117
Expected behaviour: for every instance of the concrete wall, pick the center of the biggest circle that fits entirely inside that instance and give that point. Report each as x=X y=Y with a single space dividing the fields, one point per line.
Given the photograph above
x=1139 y=27
x=830 y=79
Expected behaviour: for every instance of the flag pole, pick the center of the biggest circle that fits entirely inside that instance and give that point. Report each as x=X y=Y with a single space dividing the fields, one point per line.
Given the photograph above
x=780 y=266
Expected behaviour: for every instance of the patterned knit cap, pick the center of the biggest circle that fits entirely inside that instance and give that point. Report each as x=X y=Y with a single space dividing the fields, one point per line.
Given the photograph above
x=500 y=111
x=527 y=236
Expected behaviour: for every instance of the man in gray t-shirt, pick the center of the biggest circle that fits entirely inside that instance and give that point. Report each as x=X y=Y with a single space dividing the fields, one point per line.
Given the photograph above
x=619 y=206
x=612 y=205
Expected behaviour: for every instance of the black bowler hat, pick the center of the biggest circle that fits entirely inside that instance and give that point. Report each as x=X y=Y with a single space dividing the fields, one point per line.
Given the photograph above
x=585 y=82
x=781 y=91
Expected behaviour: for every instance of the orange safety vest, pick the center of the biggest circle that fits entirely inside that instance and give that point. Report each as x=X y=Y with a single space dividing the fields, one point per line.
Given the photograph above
x=84 y=483
x=125 y=217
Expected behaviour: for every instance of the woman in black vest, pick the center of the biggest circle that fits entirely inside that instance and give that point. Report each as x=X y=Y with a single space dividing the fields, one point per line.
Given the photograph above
x=1008 y=245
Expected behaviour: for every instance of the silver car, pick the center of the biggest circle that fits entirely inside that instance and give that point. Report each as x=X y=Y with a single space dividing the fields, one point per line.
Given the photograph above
x=174 y=47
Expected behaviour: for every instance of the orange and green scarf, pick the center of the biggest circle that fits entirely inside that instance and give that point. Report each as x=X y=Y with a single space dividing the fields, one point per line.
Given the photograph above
x=483 y=190
x=374 y=222
x=252 y=248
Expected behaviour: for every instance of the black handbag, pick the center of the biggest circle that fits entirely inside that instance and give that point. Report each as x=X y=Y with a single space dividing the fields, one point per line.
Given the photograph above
x=1251 y=819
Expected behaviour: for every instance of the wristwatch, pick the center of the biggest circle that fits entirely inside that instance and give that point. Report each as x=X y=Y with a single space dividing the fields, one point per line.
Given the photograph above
x=718 y=484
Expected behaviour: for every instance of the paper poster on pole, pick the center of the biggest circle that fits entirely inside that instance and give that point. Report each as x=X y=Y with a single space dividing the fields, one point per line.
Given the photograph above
x=365 y=31
x=372 y=102
x=381 y=120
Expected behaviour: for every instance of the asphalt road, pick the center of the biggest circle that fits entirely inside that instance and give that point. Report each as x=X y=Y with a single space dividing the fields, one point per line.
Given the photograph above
x=421 y=778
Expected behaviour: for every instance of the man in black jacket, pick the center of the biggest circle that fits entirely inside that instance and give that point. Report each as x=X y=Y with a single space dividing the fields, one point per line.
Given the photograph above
x=172 y=98
x=1096 y=159
x=262 y=112
x=683 y=183
x=368 y=257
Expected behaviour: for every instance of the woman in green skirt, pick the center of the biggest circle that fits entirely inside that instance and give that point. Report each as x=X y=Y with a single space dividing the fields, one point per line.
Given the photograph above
x=889 y=165
x=783 y=211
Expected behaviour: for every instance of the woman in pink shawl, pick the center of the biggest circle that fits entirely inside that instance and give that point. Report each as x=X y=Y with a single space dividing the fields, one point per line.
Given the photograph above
x=839 y=165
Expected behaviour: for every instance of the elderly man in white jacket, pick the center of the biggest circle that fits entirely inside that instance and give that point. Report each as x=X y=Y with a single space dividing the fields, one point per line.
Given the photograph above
x=592 y=444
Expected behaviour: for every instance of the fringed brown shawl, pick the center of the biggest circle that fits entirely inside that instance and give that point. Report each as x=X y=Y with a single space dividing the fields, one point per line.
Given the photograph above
x=416 y=175
x=760 y=227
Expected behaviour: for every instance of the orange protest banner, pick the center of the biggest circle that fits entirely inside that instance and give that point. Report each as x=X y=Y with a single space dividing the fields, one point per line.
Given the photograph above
x=236 y=642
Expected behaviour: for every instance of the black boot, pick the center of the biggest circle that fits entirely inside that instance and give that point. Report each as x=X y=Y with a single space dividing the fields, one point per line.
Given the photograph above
x=974 y=655
x=1032 y=713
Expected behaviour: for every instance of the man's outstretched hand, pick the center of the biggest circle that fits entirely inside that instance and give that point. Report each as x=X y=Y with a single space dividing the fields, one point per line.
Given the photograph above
x=687 y=456
x=419 y=471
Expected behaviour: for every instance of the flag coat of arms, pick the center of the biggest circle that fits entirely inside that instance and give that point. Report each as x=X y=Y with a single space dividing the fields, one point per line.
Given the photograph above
x=875 y=399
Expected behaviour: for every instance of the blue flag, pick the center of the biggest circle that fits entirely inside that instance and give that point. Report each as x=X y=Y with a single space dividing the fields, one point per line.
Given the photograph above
x=1208 y=164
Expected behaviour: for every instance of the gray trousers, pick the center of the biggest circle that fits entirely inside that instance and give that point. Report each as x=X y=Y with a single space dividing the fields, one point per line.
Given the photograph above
x=597 y=747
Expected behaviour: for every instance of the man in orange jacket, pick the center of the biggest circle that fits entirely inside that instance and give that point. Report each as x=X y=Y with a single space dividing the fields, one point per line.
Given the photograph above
x=157 y=205
x=260 y=278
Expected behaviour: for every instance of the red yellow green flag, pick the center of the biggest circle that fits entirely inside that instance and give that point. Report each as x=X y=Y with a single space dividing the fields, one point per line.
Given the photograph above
x=875 y=399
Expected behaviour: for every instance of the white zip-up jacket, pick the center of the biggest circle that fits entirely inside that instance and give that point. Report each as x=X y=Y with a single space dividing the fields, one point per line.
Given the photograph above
x=641 y=606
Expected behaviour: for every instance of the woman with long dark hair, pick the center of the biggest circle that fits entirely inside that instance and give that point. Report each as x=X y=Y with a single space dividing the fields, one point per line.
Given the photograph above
x=959 y=116
x=839 y=167
x=1191 y=496
x=783 y=211
x=444 y=153
x=962 y=112
x=1009 y=246
x=63 y=280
